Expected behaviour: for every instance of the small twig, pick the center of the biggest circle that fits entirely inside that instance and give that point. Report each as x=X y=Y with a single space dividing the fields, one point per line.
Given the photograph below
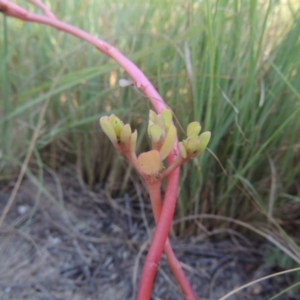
x=189 y=67
x=174 y=287
x=136 y=264
x=267 y=236
x=85 y=267
x=142 y=206
x=219 y=269
x=256 y=281
x=129 y=217
x=45 y=291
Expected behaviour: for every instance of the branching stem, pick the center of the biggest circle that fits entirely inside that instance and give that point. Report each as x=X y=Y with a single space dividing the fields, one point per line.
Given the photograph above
x=154 y=190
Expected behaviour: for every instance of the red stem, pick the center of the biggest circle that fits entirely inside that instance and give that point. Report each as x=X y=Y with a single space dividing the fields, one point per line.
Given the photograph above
x=155 y=197
x=141 y=81
x=159 y=237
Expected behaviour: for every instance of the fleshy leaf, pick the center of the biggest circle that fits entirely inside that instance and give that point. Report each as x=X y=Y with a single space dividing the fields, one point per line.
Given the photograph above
x=152 y=116
x=160 y=121
x=125 y=133
x=204 y=140
x=167 y=116
x=116 y=123
x=169 y=142
x=196 y=145
x=193 y=145
x=133 y=141
x=193 y=129
x=108 y=129
x=182 y=150
x=150 y=123
x=150 y=162
x=155 y=133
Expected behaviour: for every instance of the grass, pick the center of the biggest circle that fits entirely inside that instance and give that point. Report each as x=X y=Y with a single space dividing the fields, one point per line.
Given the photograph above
x=232 y=65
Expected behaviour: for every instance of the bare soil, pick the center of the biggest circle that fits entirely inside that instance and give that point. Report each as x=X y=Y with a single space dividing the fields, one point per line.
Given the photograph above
x=63 y=241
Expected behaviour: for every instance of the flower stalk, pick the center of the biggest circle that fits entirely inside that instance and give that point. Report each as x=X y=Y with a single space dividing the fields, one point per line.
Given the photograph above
x=149 y=165
x=154 y=191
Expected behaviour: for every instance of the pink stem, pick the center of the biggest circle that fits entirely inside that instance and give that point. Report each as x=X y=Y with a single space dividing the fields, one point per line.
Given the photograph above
x=141 y=81
x=43 y=7
x=155 y=197
x=159 y=237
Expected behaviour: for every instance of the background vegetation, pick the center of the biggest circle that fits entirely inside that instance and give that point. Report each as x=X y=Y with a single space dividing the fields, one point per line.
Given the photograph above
x=233 y=65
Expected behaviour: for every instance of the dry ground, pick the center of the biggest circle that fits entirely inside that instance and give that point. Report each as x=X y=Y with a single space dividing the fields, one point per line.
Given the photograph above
x=80 y=244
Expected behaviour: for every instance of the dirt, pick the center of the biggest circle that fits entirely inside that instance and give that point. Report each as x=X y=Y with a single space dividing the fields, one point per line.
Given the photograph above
x=63 y=241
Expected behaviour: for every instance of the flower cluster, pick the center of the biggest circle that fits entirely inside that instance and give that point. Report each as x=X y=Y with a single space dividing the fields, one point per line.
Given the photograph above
x=195 y=143
x=118 y=133
x=162 y=133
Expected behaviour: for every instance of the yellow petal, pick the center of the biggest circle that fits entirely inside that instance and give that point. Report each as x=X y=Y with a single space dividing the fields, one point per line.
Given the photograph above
x=116 y=123
x=204 y=140
x=169 y=142
x=196 y=145
x=155 y=133
x=193 y=145
x=193 y=129
x=182 y=150
x=167 y=116
x=160 y=121
x=150 y=123
x=108 y=129
x=152 y=115
x=125 y=133
x=150 y=162
x=133 y=141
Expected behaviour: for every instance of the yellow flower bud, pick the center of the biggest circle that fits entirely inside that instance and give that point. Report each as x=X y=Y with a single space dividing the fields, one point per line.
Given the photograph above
x=155 y=133
x=125 y=133
x=204 y=140
x=193 y=129
x=167 y=116
x=149 y=162
x=133 y=141
x=152 y=116
x=108 y=129
x=168 y=142
x=195 y=143
x=182 y=150
x=116 y=123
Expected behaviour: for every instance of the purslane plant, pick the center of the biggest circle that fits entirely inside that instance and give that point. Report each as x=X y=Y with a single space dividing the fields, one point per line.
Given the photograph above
x=150 y=165
x=151 y=168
